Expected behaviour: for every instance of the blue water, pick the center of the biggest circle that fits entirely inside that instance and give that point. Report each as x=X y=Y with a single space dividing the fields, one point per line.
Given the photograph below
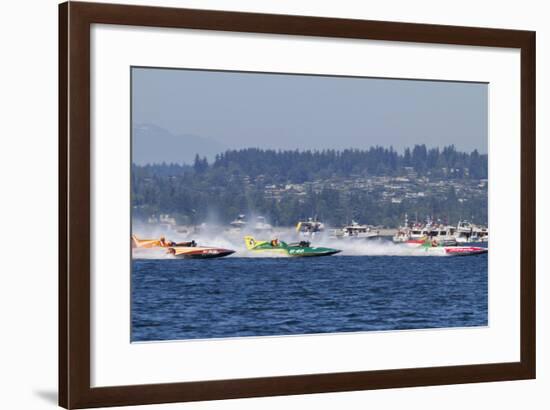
x=234 y=297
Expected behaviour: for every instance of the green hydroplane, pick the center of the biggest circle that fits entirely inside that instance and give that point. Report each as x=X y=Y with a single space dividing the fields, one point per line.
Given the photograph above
x=302 y=248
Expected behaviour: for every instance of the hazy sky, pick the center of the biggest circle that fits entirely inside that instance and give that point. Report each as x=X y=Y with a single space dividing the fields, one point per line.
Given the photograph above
x=234 y=110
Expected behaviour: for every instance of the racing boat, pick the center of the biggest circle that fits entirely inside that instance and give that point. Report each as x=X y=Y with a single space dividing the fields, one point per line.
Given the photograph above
x=187 y=250
x=432 y=247
x=148 y=243
x=198 y=252
x=302 y=248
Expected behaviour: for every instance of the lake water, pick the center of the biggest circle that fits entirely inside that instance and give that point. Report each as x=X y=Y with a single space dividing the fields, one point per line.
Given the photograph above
x=235 y=297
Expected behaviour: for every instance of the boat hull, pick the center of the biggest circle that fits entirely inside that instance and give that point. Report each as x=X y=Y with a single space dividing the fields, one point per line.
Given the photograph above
x=452 y=250
x=312 y=252
x=358 y=237
x=188 y=252
x=464 y=250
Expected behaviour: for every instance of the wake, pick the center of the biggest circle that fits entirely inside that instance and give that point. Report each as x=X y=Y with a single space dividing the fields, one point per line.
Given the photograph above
x=235 y=241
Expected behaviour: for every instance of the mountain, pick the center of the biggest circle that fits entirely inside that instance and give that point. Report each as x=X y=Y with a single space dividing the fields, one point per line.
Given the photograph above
x=154 y=145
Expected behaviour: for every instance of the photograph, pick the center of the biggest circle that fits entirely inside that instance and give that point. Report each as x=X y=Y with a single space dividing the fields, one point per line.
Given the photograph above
x=283 y=204
x=275 y=205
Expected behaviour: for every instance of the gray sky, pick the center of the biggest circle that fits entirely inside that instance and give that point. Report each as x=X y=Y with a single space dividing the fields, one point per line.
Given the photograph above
x=234 y=110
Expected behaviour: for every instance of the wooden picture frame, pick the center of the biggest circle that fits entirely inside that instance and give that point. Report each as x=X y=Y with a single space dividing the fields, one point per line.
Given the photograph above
x=75 y=20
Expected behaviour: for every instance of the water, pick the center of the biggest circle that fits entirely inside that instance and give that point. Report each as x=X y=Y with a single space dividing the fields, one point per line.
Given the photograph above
x=234 y=297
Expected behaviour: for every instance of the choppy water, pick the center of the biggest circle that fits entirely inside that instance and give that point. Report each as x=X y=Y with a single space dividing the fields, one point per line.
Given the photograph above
x=235 y=297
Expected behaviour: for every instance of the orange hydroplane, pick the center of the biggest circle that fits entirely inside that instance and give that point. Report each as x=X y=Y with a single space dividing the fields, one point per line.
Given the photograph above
x=188 y=250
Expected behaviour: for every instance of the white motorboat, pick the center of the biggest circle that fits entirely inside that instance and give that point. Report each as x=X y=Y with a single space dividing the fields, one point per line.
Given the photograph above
x=357 y=231
x=309 y=228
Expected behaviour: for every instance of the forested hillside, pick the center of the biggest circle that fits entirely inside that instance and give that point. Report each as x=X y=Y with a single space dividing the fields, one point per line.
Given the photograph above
x=374 y=186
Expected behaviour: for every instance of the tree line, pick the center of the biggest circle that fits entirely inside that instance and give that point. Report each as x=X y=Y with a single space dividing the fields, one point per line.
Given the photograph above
x=235 y=182
x=299 y=166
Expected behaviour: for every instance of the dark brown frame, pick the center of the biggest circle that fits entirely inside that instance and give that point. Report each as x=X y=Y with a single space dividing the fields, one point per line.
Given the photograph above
x=74 y=204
